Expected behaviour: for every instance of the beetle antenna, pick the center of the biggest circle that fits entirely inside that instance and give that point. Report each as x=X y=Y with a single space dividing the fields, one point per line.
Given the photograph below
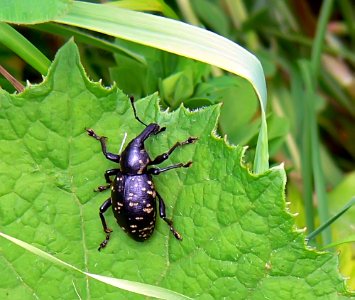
x=131 y=98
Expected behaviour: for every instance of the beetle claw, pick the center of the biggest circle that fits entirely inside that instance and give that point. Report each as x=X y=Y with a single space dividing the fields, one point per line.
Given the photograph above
x=90 y=132
x=177 y=235
x=187 y=165
x=192 y=139
x=102 y=188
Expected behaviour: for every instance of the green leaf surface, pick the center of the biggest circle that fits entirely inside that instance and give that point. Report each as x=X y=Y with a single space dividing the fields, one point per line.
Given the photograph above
x=239 y=240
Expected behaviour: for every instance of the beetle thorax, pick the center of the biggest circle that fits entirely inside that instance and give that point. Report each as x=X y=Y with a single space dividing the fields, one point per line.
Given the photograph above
x=134 y=159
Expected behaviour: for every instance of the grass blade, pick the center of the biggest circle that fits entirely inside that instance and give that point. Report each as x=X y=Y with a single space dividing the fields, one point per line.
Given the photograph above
x=23 y=48
x=132 y=286
x=331 y=220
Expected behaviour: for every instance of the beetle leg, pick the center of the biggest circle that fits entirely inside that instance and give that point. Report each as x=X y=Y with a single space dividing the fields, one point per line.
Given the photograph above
x=160 y=158
x=102 y=188
x=107 y=175
x=162 y=214
x=103 y=209
x=157 y=171
x=102 y=140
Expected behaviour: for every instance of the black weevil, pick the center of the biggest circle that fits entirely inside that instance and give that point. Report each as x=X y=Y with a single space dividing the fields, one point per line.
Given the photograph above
x=133 y=195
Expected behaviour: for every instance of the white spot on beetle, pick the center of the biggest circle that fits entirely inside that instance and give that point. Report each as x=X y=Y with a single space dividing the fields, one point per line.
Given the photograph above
x=148 y=210
x=150 y=229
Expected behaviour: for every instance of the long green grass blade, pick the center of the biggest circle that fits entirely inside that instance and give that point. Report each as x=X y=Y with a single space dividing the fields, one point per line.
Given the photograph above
x=348 y=240
x=23 y=48
x=181 y=39
x=313 y=148
x=331 y=220
x=147 y=5
x=304 y=140
x=317 y=48
x=319 y=181
x=347 y=9
x=132 y=286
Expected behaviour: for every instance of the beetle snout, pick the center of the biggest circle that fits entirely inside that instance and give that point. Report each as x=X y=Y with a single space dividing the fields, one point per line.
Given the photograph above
x=156 y=129
x=159 y=129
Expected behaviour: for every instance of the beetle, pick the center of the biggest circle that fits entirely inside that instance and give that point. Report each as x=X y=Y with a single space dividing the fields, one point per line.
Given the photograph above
x=133 y=194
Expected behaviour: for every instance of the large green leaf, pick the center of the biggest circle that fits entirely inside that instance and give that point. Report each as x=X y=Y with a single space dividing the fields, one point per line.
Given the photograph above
x=36 y=11
x=239 y=240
